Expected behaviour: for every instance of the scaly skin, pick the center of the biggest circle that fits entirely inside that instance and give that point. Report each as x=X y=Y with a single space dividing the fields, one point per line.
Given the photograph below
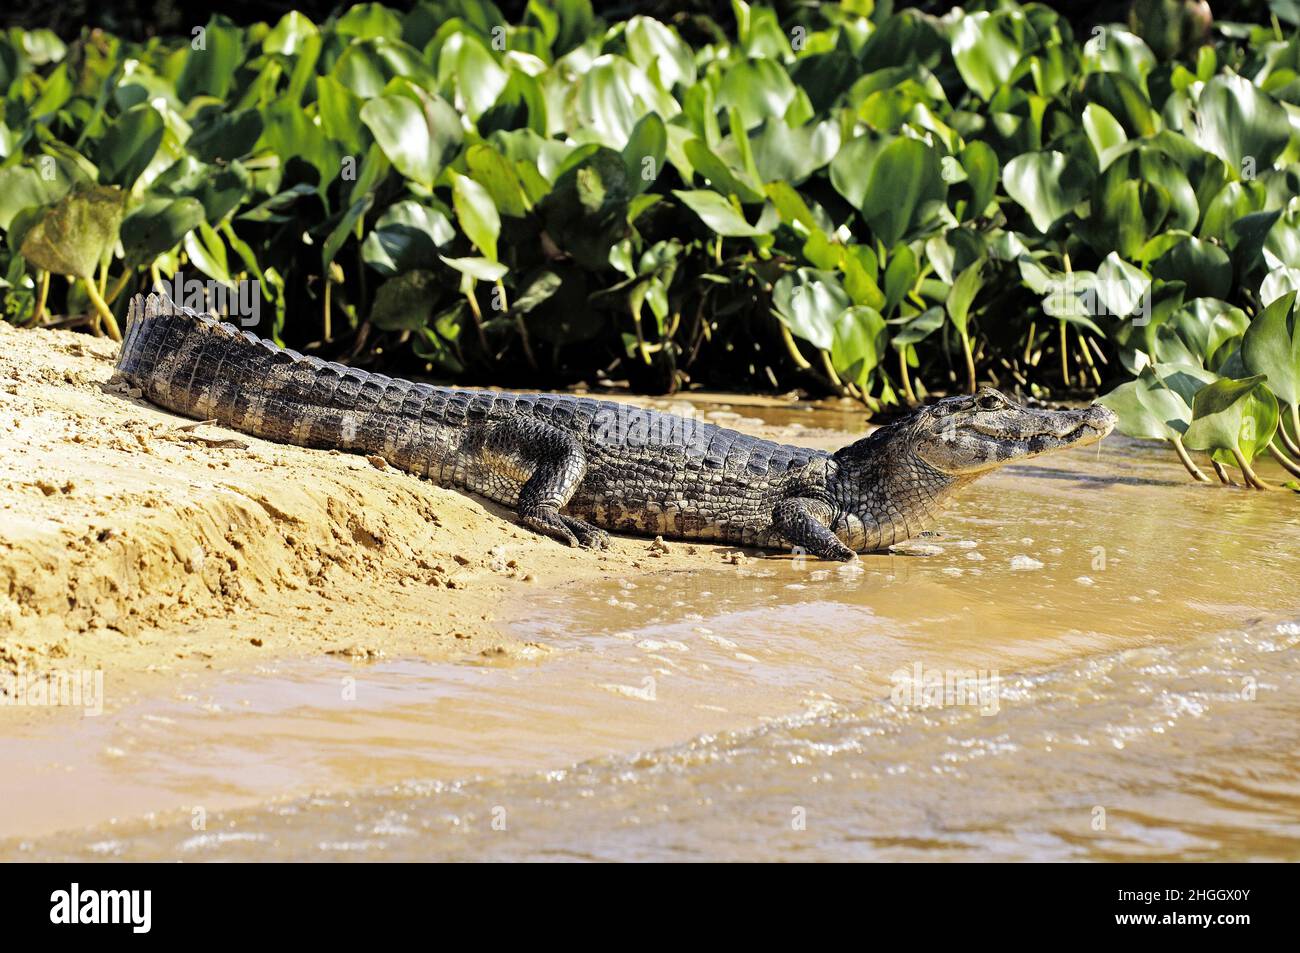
x=573 y=467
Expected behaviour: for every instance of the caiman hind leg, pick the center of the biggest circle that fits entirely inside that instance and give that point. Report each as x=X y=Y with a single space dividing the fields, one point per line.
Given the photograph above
x=806 y=522
x=556 y=463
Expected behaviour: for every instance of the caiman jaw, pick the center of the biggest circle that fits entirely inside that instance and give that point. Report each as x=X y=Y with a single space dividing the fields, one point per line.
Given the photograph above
x=971 y=435
x=890 y=485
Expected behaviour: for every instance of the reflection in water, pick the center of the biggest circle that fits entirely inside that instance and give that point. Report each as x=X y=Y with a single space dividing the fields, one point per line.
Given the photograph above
x=1140 y=637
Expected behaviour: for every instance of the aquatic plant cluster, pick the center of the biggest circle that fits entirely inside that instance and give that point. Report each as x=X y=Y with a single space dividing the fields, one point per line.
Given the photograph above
x=842 y=197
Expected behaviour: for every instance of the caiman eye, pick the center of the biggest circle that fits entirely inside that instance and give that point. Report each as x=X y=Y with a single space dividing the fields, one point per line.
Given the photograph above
x=988 y=402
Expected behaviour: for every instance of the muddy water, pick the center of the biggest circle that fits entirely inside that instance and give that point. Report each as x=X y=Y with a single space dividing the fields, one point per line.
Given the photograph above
x=1094 y=660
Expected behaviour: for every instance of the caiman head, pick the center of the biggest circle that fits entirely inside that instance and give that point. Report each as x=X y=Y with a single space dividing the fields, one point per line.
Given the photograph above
x=891 y=484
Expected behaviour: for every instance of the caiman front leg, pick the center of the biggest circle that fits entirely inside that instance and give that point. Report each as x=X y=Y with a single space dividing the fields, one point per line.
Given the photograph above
x=557 y=464
x=806 y=522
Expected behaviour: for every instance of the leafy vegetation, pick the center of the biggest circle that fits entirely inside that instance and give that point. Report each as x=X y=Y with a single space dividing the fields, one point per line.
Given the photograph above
x=847 y=198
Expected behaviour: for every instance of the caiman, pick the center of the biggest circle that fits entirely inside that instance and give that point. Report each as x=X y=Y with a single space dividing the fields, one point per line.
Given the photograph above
x=575 y=467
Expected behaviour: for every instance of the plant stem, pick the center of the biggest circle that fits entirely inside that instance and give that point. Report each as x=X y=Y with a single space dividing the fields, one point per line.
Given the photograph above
x=793 y=348
x=478 y=320
x=830 y=372
x=1065 y=356
x=102 y=309
x=1197 y=474
x=1029 y=341
x=1252 y=478
x=1288 y=464
x=523 y=329
x=1087 y=356
x=907 y=380
x=326 y=328
x=1287 y=442
x=118 y=285
x=970 y=363
x=1222 y=474
x=42 y=292
x=1292 y=444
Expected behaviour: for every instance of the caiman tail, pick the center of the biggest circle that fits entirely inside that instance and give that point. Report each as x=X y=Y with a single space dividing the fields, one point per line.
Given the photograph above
x=197 y=366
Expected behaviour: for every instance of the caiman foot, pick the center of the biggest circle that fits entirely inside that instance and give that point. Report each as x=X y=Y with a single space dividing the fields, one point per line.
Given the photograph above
x=589 y=537
x=567 y=529
x=803 y=523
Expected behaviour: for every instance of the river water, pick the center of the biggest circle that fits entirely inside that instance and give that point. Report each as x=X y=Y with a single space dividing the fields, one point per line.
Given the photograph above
x=1093 y=660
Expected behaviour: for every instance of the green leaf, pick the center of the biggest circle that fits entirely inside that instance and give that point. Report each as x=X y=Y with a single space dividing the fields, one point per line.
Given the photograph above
x=719 y=214
x=1105 y=133
x=653 y=46
x=366 y=66
x=905 y=180
x=500 y=177
x=339 y=110
x=645 y=150
x=1047 y=185
x=477 y=215
x=212 y=60
x=963 y=293
x=22 y=187
x=1278 y=282
x=348 y=224
x=586 y=212
x=479 y=77
x=916 y=328
x=1241 y=124
x=418 y=140
x=722 y=177
x=74 y=236
x=289 y=34
x=791 y=207
x=987 y=47
x=980 y=163
x=1125 y=100
x=129 y=145
x=900 y=276
x=480 y=269
x=1272 y=348
x=207 y=252
x=156 y=226
x=368 y=20
x=1233 y=415
x=852 y=165
x=407 y=238
x=1135 y=418
x=1119 y=51
x=1207 y=324
x=406 y=302
x=1121 y=286
x=227 y=137
x=810 y=303
x=858 y=339
x=759 y=89
x=792 y=155
x=1204 y=267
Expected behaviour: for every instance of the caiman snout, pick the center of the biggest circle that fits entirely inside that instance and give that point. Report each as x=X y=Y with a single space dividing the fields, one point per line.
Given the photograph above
x=1087 y=425
x=974 y=434
x=1101 y=419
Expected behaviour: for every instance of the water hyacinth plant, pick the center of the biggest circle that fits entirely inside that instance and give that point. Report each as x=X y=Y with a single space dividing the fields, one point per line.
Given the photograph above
x=845 y=197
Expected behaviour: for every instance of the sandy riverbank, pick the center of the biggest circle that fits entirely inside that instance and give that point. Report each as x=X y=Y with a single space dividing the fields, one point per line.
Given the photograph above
x=132 y=539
